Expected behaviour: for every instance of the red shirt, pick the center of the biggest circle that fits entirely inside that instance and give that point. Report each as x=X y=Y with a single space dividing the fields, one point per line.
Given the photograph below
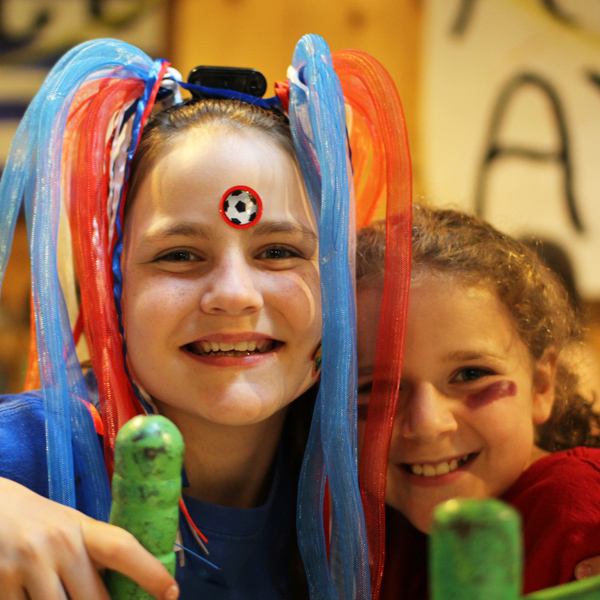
x=558 y=498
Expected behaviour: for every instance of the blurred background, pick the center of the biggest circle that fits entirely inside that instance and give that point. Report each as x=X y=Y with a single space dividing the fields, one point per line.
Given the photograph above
x=501 y=97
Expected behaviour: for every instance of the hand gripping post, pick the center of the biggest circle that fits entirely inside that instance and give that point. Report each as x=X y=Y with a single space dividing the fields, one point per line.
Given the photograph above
x=146 y=487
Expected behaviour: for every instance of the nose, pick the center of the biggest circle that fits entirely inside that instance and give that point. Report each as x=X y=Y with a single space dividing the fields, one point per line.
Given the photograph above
x=426 y=414
x=232 y=287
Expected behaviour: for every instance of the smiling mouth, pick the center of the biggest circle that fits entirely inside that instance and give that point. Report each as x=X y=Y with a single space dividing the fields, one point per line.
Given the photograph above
x=238 y=349
x=441 y=468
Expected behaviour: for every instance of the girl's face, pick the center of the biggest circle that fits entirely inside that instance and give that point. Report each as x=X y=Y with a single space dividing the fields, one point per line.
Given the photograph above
x=469 y=397
x=221 y=323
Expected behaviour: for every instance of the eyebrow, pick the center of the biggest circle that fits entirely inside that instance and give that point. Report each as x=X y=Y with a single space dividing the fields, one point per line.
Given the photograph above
x=184 y=229
x=460 y=355
x=270 y=227
x=198 y=230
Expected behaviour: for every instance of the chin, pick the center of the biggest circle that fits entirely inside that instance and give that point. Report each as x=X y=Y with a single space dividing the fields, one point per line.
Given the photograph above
x=245 y=407
x=240 y=417
x=422 y=521
x=424 y=524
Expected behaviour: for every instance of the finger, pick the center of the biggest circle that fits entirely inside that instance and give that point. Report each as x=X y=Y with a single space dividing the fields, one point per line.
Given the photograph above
x=11 y=586
x=11 y=592
x=583 y=571
x=44 y=584
x=82 y=581
x=588 y=568
x=28 y=573
x=115 y=548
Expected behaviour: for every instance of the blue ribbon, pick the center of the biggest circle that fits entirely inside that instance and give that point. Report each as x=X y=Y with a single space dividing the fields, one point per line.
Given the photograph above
x=33 y=172
x=318 y=127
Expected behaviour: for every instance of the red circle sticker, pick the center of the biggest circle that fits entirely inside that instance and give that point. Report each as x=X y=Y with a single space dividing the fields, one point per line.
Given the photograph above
x=241 y=207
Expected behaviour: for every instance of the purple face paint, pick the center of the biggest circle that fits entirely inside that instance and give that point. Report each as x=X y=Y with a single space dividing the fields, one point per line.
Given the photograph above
x=494 y=391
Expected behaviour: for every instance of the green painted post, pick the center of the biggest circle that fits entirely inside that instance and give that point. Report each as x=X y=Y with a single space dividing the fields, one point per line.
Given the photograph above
x=146 y=488
x=475 y=551
x=475 y=554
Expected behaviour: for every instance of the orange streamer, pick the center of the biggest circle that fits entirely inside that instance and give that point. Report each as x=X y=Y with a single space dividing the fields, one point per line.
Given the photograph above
x=369 y=89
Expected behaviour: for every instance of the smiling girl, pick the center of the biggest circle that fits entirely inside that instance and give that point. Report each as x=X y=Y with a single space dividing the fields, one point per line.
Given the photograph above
x=218 y=294
x=221 y=324
x=485 y=407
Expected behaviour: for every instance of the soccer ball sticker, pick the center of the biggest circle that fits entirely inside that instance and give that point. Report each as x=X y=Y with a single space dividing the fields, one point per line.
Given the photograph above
x=241 y=207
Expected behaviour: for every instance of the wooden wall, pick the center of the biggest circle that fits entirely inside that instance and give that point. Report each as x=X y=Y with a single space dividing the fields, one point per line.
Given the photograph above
x=262 y=34
x=253 y=33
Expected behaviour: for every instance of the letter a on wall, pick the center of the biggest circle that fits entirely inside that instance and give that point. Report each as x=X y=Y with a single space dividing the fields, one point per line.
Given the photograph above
x=511 y=119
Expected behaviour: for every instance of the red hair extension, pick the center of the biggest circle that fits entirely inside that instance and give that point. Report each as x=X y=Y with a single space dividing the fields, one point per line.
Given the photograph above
x=372 y=80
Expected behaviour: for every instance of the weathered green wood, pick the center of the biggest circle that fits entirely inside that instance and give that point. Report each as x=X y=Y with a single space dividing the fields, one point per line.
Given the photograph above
x=146 y=488
x=476 y=555
x=475 y=551
x=589 y=589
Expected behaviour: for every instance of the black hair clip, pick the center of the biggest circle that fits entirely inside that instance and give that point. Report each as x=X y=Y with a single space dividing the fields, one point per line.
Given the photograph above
x=243 y=81
x=246 y=85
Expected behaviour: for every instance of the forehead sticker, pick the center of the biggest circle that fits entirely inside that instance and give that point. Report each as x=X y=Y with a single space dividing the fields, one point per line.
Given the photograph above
x=241 y=207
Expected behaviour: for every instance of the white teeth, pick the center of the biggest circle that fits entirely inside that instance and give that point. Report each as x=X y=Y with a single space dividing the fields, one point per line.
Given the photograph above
x=428 y=470
x=250 y=346
x=442 y=468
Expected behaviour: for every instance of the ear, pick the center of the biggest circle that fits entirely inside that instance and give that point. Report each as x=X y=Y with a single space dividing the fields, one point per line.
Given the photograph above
x=544 y=379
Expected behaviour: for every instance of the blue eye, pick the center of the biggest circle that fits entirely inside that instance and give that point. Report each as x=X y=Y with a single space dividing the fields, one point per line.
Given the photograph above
x=471 y=374
x=178 y=256
x=278 y=253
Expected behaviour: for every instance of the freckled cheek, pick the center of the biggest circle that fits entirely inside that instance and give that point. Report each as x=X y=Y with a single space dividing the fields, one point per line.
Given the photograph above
x=297 y=297
x=151 y=301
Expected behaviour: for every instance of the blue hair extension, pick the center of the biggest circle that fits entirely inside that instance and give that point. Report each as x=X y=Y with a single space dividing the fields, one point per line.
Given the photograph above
x=318 y=127
x=34 y=172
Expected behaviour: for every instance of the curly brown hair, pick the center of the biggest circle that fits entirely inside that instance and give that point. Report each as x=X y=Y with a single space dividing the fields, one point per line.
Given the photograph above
x=467 y=247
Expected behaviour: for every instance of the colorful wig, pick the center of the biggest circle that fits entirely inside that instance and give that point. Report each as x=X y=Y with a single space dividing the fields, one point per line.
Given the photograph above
x=89 y=109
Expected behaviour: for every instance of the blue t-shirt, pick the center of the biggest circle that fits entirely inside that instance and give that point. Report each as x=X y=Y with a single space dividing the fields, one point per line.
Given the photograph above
x=250 y=546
